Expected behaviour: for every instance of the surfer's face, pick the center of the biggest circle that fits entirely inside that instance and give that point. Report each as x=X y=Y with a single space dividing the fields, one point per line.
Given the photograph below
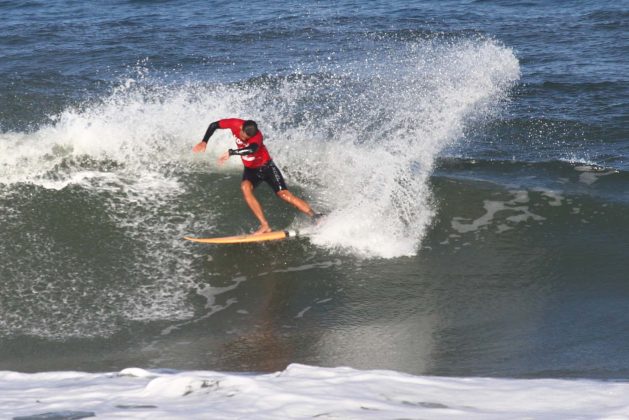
x=244 y=136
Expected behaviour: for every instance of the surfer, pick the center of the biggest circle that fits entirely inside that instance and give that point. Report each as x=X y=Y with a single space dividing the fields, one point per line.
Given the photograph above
x=258 y=167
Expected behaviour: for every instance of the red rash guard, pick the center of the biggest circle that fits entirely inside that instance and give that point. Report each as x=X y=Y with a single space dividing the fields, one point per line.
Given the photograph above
x=256 y=159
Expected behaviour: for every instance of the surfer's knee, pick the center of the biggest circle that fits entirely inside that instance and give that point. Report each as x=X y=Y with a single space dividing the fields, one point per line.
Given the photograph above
x=246 y=187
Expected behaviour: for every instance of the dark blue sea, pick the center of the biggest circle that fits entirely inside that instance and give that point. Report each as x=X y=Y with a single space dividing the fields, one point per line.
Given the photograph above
x=472 y=158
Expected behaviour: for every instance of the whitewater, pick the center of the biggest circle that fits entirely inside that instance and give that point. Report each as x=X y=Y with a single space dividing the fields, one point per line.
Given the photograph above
x=421 y=97
x=301 y=392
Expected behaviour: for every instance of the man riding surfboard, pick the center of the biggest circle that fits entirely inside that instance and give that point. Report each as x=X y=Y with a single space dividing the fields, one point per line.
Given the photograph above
x=258 y=167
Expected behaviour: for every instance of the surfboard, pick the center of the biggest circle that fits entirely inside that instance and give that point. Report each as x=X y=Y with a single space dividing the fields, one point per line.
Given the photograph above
x=243 y=239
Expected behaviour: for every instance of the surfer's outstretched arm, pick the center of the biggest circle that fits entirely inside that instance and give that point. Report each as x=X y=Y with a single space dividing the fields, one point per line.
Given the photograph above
x=200 y=147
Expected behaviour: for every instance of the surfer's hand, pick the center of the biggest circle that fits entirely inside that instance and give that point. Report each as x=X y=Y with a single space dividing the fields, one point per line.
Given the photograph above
x=223 y=158
x=198 y=148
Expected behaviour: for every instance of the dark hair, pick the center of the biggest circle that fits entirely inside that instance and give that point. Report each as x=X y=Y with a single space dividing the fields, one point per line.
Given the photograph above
x=250 y=128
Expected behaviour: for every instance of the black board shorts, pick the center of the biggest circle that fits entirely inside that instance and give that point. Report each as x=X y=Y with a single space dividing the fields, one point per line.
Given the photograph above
x=268 y=173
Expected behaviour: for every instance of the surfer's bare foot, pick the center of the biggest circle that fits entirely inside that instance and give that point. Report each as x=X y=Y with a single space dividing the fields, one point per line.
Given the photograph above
x=263 y=229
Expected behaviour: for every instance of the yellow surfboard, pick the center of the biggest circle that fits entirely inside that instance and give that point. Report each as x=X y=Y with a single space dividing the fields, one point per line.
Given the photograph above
x=243 y=239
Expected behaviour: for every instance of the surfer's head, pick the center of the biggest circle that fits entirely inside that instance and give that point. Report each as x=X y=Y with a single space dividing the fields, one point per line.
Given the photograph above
x=248 y=130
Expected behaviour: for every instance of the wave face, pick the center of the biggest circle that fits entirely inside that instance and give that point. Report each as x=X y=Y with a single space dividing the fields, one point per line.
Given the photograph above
x=99 y=198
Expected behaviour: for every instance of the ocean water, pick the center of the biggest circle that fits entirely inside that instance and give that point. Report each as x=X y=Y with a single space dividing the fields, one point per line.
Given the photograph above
x=472 y=158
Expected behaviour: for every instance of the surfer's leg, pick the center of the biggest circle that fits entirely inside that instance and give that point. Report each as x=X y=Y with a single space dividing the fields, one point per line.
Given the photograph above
x=273 y=176
x=254 y=205
x=300 y=204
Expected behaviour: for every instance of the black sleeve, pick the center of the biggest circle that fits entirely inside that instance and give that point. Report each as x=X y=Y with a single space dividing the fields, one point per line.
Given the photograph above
x=245 y=150
x=210 y=130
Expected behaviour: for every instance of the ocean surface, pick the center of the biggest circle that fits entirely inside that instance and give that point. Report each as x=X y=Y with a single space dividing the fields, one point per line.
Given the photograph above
x=472 y=158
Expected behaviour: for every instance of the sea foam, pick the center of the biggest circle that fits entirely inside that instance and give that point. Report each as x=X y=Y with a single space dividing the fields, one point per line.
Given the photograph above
x=302 y=391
